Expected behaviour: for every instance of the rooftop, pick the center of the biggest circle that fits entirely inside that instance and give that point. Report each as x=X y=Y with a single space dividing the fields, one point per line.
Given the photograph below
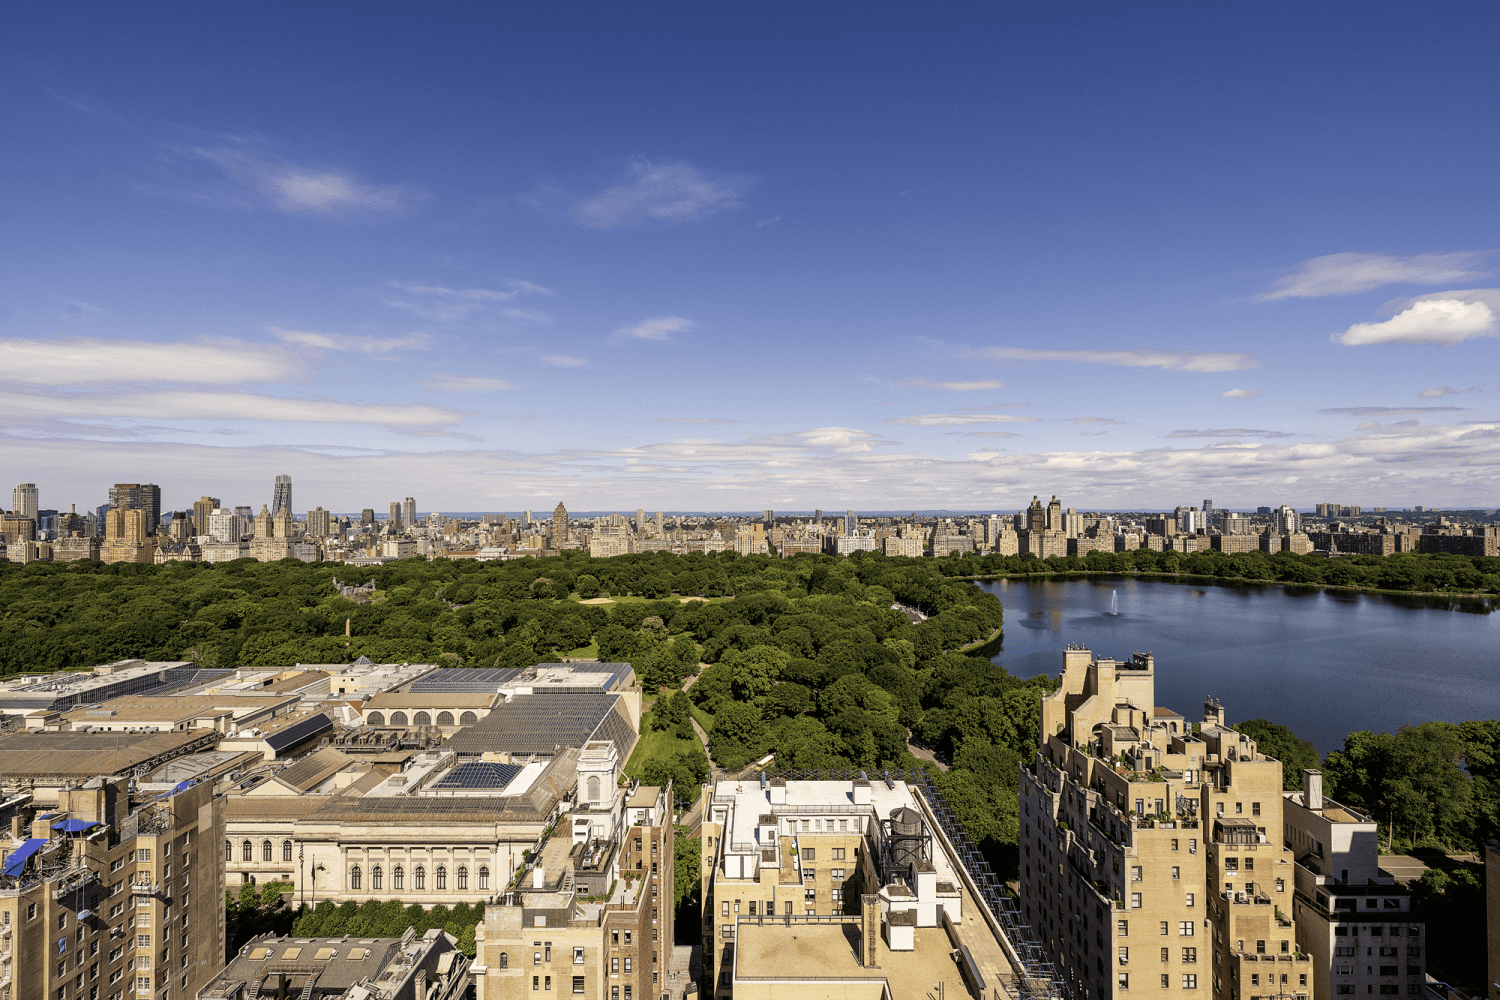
x=828 y=951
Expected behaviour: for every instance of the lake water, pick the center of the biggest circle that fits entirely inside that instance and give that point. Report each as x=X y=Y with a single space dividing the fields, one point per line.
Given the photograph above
x=1320 y=662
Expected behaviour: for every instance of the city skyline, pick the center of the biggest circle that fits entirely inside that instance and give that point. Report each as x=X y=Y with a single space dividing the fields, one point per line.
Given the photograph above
x=618 y=259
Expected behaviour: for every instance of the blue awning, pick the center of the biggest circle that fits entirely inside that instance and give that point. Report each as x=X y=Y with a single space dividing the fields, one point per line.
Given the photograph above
x=17 y=859
x=74 y=825
x=183 y=786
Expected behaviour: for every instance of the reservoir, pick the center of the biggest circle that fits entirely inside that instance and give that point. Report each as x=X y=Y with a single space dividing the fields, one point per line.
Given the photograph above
x=1321 y=662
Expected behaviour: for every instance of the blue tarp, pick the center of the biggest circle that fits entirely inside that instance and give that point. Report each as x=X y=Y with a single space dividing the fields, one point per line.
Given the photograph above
x=183 y=786
x=17 y=859
x=74 y=825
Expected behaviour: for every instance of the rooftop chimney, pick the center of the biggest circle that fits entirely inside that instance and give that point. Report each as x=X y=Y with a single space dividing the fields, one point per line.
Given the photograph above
x=1312 y=789
x=538 y=877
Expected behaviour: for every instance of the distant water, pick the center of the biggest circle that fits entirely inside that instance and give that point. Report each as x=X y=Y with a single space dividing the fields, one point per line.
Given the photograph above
x=1320 y=662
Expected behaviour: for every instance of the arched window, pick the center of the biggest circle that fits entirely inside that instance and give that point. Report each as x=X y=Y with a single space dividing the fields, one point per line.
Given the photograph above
x=265 y=850
x=422 y=719
x=286 y=850
x=593 y=788
x=504 y=960
x=398 y=878
x=354 y=877
x=377 y=878
x=247 y=851
x=228 y=851
x=377 y=718
x=442 y=876
x=398 y=718
x=484 y=876
x=467 y=719
x=419 y=878
x=445 y=718
x=463 y=877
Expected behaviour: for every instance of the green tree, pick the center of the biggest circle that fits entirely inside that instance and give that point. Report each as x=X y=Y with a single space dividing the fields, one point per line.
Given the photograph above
x=687 y=865
x=1276 y=740
x=739 y=735
x=754 y=670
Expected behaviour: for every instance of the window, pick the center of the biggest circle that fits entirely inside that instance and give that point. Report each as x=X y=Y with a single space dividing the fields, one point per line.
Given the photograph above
x=1174 y=843
x=536 y=982
x=228 y=856
x=809 y=854
x=463 y=878
x=1187 y=899
x=627 y=937
x=1124 y=928
x=536 y=958
x=419 y=878
x=1249 y=864
x=577 y=984
x=1344 y=988
x=1135 y=901
x=354 y=877
x=1190 y=980
x=440 y=875
x=1260 y=947
x=1189 y=956
x=1166 y=981
x=627 y=963
x=265 y=850
x=1124 y=980
x=1135 y=873
x=246 y=849
x=286 y=851
x=1231 y=864
x=1281 y=885
x=484 y=876
x=398 y=878
x=838 y=853
x=1176 y=872
x=1164 y=930
x=578 y=955
x=1255 y=809
x=504 y=960
x=614 y=966
x=1185 y=928
x=377 y=878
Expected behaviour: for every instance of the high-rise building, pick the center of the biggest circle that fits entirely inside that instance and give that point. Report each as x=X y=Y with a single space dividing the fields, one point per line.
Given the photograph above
x=395 y=515
x=851 y=523
x=317 y=523
x=144 y=497
x=367 y=517
x=640 y=520
x=768 y=518
x=661 y=524
x=281 y=498
x=1055 y=515
x=24 y=500
x=203 y=507
x=1151 y=852
x=1036 y=516
x=409 y=513
x=224 y=525
x=1287 y=521
x=527 y=515
x=559 y=525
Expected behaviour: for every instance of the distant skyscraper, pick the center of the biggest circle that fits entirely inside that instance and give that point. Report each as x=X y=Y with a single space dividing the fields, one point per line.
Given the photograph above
x=851 y=523
x=1287 y=520
x=317 y=523
x=367 y=517
x=24 y=500
x=640 y=520
x=144 y=497
x=202 y=509
x=661 y=524
x=281 y=498
x=1036 y=516
x=559 y=525
x=527 y=515
x=246 y=516
x=768 y=516
x=409 y=513
x=395 y=515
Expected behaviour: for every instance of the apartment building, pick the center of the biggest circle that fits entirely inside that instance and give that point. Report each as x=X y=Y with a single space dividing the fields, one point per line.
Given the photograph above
x=1146 y=868
x=591 y=915
x=1353 y=919
x=113 y=894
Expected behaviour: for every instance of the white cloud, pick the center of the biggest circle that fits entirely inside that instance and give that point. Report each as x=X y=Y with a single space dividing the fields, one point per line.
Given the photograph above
x=1241 y=394
x=73 y=361
x=656 y=329
x=959 y=419
x=1231 y=432
x=843 y=440
x=351 y=343
x=991 y=434
x=1443 y=390
x=445 y=382
x=1187 y=361
x=441 y=302
x=564 y=360
x=695 y=420
x=1388 y=411
x=304 y=189
x=670 y=192
x=1346 y=273
x=973 y=386
x=222 y=405
x=1430 y=321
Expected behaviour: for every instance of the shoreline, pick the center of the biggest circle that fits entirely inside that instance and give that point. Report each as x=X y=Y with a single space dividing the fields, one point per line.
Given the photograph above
x=1235 y=581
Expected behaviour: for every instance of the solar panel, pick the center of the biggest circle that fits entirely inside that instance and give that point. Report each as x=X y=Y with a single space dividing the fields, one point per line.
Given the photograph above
x=464 y=680
x=480 y=774
x=536 y=723
x=292 y=735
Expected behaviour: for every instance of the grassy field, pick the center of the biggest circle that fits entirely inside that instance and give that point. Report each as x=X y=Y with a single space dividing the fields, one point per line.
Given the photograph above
x=637 y=599
x=654 y=745
x=704 y=719
x=589 y=652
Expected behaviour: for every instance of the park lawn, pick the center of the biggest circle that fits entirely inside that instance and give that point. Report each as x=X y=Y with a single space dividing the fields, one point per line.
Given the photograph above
x=655 y=745
x=704 y=719
x=589 y=652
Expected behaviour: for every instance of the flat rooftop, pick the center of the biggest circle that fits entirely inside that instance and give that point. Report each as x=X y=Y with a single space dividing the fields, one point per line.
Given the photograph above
x=813 y=961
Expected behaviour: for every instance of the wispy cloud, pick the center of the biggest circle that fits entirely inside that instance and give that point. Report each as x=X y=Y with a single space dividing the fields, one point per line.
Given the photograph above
x=1431 y=321
x=959 y=419
x=991 y=434
x=669 y=192
x=1086 y=420
x=1347 y=273
x=956 y=386
x=1443 y=390
x=695 y=420
x=292 y=188
x=441 y=302
x=563 y=360
x=658 y=328
x=80 y=360
x=1241 y=394
x=1388 y=411
x=215 y=405
x=352 y=343
x=1226 y=432
x=445 y=382
x=988 y=408
x=768 y=222
x=1187 y=361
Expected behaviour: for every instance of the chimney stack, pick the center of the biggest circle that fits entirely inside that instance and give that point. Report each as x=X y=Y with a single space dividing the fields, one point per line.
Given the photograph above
x=1312 y=789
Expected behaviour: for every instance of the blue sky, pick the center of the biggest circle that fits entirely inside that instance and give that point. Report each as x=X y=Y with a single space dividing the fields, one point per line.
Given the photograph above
x=783 y=255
